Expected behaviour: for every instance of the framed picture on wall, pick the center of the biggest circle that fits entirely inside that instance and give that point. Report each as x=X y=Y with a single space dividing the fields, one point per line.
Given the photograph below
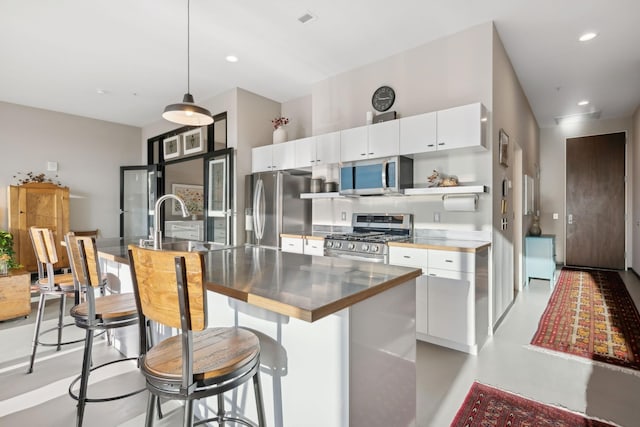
x=193 y=141
x=193 y=196
x=503 y=143
x=171 y=147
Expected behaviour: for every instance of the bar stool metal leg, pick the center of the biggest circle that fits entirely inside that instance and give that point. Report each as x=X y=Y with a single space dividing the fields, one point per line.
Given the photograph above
x=86 y=369
x=257 y=389
x=61 y=320
x=151 y=405
x=188 y=413
x=36 y=333
x=221 y=409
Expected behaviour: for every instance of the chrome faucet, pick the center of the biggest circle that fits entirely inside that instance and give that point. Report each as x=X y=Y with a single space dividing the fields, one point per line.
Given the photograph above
x=157 y=234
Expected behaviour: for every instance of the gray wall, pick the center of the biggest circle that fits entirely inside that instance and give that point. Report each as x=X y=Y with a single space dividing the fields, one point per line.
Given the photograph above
x=89 y=154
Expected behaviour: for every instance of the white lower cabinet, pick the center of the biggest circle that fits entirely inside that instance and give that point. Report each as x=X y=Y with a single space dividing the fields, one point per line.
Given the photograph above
x=448 y=304
x=451 y=296
x=302 y=245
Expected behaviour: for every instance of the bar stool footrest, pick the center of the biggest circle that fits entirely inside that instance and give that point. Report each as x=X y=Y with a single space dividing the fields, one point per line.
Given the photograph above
x=104 y=399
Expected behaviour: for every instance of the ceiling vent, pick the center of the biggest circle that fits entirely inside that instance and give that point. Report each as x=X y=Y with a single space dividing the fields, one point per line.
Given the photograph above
x=307 y=17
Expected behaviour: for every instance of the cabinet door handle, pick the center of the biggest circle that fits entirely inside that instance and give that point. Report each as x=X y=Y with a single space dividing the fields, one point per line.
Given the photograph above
x=448 y=260
x=407 y=256
x=440 y=143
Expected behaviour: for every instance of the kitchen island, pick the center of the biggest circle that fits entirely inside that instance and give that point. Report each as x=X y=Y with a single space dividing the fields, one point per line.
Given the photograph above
x=337 y=336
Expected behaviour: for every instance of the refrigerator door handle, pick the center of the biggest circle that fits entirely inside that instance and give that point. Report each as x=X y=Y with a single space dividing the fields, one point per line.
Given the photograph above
x=259 y=213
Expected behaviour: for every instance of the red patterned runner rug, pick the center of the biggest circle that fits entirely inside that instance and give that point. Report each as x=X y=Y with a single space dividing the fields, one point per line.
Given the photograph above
x=591 y=314
x=488 y=406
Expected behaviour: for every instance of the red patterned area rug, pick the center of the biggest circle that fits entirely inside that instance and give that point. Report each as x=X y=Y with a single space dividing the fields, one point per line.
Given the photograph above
x=488 y=406
x=591 y=315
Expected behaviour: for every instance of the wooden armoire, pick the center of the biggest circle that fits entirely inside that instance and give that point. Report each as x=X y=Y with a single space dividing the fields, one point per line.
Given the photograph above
x=41 y=205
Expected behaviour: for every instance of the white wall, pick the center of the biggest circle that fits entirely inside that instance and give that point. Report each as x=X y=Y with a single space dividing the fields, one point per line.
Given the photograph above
x=634 y=153
x=553 y=172
x=298 y=111
x=89 y=153
x=448 y=72
x=513 y=114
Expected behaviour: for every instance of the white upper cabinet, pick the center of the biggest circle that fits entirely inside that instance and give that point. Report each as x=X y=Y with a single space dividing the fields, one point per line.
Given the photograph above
x=418 y=133
x=284 y=155
x=384 y=139
x=273 y=157
x=370 y=142
x=261 y=159
x=317 y=150
x=458 y=127
x=306 y=152
x=328 y=148
x=354 y=143
x=462 y=127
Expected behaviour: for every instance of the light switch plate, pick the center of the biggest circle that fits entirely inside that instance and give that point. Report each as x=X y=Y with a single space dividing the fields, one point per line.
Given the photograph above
x=52 y=166
x=555 y=215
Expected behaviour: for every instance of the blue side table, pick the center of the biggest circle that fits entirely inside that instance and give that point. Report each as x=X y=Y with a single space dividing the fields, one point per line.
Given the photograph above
x=540 y=258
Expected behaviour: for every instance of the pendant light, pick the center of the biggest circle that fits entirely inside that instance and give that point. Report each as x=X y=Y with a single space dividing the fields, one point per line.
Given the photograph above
x=187 y=112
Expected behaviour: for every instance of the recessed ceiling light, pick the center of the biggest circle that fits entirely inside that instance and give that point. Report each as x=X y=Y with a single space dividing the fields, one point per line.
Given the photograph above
x=231 y=58
x=583 y=103
x=587 y=36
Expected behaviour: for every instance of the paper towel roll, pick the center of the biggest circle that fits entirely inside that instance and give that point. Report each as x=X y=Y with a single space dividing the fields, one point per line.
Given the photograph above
x=466 y=203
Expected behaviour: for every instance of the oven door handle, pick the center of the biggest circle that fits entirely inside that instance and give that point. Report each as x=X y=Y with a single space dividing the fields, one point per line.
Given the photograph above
x=356 y=257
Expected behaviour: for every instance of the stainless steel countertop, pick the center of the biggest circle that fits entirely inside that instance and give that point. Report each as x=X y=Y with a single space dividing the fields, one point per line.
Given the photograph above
x=301 y=286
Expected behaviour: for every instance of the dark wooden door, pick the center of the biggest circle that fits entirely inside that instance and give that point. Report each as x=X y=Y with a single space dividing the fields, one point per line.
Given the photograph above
x=596 y=201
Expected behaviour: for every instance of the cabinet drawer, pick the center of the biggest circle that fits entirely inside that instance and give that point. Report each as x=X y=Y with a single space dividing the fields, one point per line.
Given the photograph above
x=408 y=257
x=314 y=247
x=447 y=274
x=450 y=260
x=290 y=244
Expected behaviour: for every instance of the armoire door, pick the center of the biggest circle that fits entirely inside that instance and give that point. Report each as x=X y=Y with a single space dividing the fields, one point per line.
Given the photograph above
x=41 y=205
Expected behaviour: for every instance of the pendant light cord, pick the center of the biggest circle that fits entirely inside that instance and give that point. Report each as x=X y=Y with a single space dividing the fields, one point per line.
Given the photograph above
x=188 y=45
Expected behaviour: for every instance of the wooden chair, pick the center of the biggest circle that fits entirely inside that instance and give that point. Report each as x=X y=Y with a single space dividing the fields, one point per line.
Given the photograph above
x=49 y=284
x=86 y=233
x=98 y=312
x=199 y=362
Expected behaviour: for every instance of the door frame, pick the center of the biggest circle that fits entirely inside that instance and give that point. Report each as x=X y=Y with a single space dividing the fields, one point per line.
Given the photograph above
x=626 y=192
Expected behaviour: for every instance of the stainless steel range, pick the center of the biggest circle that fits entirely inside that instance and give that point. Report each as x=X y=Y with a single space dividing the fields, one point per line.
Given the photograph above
x=368 y=240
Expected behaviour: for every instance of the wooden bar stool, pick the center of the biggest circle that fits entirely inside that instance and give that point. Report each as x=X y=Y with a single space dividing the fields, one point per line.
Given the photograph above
x=49 y=284
x=199 y=362
x=97 y=313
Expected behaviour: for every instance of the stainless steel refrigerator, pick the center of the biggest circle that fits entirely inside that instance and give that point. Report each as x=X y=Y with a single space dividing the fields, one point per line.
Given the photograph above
x=275 y=207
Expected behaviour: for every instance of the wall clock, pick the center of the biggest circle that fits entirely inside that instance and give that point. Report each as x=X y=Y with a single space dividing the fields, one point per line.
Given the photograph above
x=383 y=98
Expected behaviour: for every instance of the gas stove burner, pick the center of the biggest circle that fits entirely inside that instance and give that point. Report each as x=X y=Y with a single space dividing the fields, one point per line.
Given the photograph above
x=370 y=235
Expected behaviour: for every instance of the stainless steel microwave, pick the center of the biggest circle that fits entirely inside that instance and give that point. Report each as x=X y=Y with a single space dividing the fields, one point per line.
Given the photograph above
x=376 y=177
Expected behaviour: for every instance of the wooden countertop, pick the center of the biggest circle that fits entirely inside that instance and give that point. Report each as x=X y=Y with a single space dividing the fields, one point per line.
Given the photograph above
x=301 y=286
x=304 y=236
x=444 y=244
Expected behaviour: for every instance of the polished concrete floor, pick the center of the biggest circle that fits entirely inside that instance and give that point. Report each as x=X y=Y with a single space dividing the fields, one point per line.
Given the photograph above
x=443 y=376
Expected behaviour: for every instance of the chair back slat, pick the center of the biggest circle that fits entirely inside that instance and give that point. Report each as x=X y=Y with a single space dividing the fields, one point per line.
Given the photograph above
x=44 y=245
x=154 y=277
x=80 y=260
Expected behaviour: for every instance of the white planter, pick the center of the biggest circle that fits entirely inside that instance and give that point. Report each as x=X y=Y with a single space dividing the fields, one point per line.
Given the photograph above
x=279 y=135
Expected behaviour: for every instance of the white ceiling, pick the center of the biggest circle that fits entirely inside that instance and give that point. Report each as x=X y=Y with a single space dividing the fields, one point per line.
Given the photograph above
x=56 y=54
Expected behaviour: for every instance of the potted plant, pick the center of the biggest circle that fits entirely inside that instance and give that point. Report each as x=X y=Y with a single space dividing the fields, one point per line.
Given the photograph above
x=7 y=260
